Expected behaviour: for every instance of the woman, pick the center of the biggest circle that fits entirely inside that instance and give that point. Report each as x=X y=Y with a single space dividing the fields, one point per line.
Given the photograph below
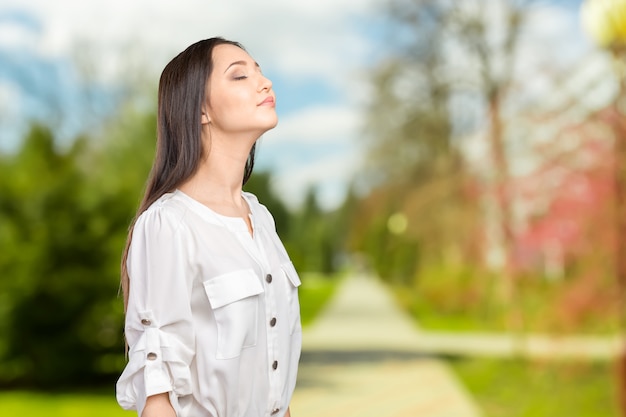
x=212 y=313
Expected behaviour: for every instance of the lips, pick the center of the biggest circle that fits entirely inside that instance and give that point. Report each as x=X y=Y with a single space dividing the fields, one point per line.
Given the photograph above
x=269 y=101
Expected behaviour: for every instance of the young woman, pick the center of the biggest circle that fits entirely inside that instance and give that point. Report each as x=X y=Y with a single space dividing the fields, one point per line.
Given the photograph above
x=212 y=313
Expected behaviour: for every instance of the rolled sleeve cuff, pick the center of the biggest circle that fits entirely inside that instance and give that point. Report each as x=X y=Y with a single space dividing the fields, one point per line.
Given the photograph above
x=154 y=367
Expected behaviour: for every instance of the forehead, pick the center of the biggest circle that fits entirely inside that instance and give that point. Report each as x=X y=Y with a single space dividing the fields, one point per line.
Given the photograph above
x=225 y=54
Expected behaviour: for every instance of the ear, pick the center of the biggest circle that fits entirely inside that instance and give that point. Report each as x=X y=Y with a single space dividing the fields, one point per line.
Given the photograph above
x=205 y=119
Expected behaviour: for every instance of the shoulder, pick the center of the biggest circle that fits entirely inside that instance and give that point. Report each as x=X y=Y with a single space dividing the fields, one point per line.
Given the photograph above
x=165 y=216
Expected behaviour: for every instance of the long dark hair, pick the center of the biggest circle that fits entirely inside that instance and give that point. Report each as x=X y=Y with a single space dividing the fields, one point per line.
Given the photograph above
x=179 y=149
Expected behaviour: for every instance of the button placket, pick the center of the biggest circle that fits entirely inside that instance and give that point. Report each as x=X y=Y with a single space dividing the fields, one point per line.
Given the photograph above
x=271 y=309
x=271 y=314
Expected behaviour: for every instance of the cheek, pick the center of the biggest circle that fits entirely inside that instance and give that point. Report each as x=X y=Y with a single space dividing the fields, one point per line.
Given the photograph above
x=232 y=104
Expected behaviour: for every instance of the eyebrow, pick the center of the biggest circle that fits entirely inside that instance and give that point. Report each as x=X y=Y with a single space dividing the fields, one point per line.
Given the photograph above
x=240 y=63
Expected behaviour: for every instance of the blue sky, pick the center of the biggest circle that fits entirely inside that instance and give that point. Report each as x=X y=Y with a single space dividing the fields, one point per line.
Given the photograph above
x=315 y=53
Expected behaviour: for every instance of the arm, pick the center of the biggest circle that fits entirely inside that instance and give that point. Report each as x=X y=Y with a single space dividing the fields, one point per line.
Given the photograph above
x=158 y=406
x=158 y=325
x=288 y=413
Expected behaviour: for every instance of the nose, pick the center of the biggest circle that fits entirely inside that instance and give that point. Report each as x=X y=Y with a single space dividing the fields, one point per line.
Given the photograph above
x=265 y=83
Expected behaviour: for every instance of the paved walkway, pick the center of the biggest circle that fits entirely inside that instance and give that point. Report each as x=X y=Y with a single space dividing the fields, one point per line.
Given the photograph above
x=360 y=359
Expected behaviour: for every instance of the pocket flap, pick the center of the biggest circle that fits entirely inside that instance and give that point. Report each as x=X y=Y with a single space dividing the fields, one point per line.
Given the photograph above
x=291 y=273
x=233 y=286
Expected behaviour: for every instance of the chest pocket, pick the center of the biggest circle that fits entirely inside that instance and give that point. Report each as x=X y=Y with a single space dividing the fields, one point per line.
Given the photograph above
x=235 y=302
x=293 y=282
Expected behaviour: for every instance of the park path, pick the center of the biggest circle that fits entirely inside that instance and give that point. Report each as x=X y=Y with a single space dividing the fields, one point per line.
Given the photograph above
x=360 y=359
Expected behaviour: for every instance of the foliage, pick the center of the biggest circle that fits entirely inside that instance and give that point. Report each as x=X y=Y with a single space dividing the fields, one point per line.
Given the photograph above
x=464 y=298
x=64 y=216
x=515 y=388
x=453 y=298
x=315 y=240
x=58 y=288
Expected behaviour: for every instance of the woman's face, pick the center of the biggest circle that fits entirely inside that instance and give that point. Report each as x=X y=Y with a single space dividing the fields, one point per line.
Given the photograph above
x=240 y=99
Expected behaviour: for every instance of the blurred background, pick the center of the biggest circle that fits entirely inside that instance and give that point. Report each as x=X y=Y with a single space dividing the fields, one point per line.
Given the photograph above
x=471 y=155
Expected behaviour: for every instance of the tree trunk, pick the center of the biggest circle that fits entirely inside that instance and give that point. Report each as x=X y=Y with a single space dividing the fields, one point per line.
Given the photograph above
x=620 y=236
x=502 y=199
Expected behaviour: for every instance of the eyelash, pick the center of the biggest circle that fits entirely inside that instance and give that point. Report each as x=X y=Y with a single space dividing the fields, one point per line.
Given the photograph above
x=241 y=77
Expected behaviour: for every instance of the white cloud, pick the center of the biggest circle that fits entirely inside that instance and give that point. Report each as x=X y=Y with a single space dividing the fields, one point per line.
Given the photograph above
x=14 y=35
x=319 y=124
x=298 y=39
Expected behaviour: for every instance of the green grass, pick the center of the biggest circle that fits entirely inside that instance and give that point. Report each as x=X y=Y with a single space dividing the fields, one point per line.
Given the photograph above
x=315 y=291
x=27 y=404
x=517 y=388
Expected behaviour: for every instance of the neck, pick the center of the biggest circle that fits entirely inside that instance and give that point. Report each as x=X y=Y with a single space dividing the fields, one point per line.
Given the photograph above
x=218 y=181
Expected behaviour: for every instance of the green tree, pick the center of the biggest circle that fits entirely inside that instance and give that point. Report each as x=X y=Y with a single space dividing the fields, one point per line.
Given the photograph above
x=60 y=324
x=317 y=238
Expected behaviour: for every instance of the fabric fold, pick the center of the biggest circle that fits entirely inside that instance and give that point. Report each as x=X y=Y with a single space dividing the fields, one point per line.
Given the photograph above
x=157 y=364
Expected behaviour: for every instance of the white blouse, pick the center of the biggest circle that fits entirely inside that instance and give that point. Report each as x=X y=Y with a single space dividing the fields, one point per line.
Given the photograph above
x=213 y=314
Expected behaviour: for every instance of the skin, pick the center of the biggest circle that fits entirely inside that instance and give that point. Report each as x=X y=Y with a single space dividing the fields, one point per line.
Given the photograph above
x=239 y=108
x=158 y=406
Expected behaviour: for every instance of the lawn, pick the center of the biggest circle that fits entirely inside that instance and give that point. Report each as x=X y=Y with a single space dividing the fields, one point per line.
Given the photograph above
x=314 y=293
x=518 y=388
x=31 y=404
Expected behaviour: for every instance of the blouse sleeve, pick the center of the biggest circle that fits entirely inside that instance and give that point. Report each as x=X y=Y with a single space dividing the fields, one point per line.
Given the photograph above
x=158 y=326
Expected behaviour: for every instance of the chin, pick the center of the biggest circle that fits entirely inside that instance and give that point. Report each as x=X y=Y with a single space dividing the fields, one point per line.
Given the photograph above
x=264 y=125
x=271 y=124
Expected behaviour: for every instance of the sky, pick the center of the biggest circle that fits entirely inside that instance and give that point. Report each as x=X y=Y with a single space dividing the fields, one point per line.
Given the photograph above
x=316 y=53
